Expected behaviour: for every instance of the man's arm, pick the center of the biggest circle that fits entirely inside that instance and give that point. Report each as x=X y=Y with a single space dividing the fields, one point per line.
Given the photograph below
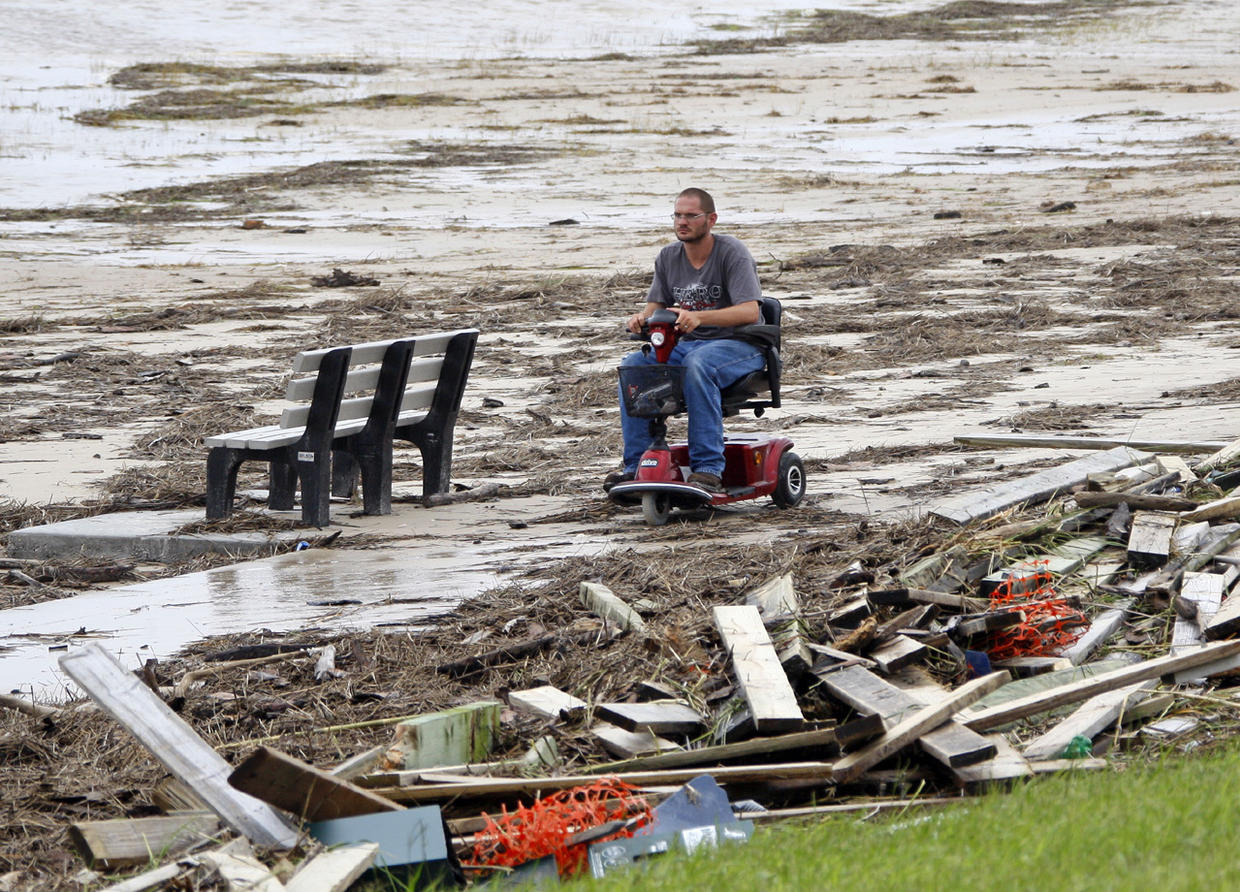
x=746 y=313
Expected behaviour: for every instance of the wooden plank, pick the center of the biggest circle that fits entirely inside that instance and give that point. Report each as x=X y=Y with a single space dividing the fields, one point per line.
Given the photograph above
x=825 y=739
x=654 y=716
x=1023 y=667
x=1175 y=464
x=630 y=744
x=759 y=675
x=954 y=745
x=126 y=842
x=1226 y=620
x=166 y=735
x=868 y=694
x=1099 y=632
x=366 y=378
x=1088 y=720
x=334 y=870
x=851 y=614
x=156 y=878
x=547 y=701
x=1149 y=542
x=242 y=872
x=1036 y=488
x=602 y=601
x=1220 y=458
x=897 y=653
x=1043 y=441
x=927 y=572
x=308 y=792
x=1042 y=701
x=914 y=726
x=495 y=787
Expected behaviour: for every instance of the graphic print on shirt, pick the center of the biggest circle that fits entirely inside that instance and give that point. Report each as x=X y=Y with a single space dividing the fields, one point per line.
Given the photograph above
x=697 y=296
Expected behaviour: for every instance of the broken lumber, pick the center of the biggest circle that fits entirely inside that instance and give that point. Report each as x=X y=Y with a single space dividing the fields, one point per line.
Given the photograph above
x=761 y=678
x=915 y=725
x=899 y=597
x=308 y=792
x=825 y=739
x=1227 y=508
x=776 y=600
x=1039 y=487
x=1074 y=692
x=1220 y=458
x=1088 y=720
x=1149 y=542
x=897 y=653
x=166 y=735
x=603 y=602
x=630 y=745
x=1136 y=502
x=128 y=842
x=1099 y=632
x=334 y=870
x=1006 y=766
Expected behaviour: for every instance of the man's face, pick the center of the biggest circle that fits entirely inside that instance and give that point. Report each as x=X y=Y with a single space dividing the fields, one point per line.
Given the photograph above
x=692 y=224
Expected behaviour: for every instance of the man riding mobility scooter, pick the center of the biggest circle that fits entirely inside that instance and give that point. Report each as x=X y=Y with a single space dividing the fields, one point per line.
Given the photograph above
x=756 y=465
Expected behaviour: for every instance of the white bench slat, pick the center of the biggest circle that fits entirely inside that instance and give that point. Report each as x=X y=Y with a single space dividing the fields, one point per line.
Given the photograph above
x=419 y=397
x=365 y=354
x=274 y=437
x=365 y=379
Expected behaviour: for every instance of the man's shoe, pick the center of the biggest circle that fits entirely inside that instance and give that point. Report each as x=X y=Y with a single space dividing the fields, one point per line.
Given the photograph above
x=708 y=482
x=616 y=477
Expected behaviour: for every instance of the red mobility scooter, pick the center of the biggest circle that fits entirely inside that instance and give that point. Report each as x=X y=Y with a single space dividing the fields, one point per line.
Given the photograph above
x=756 y=465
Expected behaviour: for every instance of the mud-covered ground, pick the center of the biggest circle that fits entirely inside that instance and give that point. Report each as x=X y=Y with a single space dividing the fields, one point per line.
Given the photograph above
x=984 y=219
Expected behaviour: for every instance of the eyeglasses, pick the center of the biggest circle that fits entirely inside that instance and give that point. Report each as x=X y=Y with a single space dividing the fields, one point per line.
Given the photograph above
x=687 y=217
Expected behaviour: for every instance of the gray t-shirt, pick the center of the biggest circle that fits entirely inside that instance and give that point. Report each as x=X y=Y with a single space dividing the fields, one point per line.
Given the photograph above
x=728 y=277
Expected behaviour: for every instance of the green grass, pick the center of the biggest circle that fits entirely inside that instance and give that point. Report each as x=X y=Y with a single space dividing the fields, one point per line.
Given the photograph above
x=1167 y=826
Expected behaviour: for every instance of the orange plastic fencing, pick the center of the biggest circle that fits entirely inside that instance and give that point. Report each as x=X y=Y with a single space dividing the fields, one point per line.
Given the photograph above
x=1050 y=625
x=544 y=827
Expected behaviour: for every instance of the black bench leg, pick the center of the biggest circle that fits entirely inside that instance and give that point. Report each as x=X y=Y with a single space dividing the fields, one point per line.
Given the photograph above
x=222 y=466
x=282 y=486
x=316 y=485
x=376 y=466
x=344 y=474
x=436 y=452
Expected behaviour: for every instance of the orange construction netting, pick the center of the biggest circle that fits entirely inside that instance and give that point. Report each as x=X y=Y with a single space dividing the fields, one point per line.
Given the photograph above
x=1050 y=624
x=543 y=828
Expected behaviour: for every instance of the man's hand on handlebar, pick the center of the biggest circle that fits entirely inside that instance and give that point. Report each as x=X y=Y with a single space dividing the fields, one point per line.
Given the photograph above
x=635 y=323
x=686 y=321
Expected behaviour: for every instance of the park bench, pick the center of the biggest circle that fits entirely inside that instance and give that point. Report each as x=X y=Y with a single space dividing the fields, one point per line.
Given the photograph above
x=348 y=405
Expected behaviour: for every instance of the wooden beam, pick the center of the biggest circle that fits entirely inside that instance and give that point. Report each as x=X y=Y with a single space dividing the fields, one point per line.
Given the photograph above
x=900 y=596
x=334 y=870
x=1036 y=488
x=928 y=572
x=242 y=872
x=547 y=701
x=1099 y=632
x=1220 y=458
x=1006 y=766
x=308 y=792
x=157 y=877
x=759 y=675
x=653 y=716
x=630 y=744
x=1042 y=701
x=1227 y=508
x=166 y=735
x=915 y=725
x=1088 y=720
x=1202 y=595
x=776 y=600
x=126 y=842
x=825 y=740
x=495 y=787
x=447 y=737
x=897 y=653
x=1039 y=441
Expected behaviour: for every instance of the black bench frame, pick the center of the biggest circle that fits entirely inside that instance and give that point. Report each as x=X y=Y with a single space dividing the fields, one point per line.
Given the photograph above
x=325 y=462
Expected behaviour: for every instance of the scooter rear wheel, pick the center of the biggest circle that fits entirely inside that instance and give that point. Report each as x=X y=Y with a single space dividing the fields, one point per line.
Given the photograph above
x=656 y=508
x=790 y=487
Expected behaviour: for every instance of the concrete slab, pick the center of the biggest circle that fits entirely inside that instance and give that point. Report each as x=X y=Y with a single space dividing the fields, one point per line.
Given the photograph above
x=140 y=536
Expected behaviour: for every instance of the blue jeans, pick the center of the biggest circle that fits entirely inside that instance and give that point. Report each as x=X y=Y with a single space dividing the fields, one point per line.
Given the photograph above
x=710 y=366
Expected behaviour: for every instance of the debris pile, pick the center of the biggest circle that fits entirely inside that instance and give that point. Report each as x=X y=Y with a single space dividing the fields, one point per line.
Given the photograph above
x=635 y=704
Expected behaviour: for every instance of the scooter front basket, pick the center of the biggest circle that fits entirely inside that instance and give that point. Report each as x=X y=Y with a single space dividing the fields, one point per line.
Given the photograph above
x=653 y=390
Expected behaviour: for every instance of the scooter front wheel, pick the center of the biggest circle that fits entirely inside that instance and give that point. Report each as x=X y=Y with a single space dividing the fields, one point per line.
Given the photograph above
x=790 y=487
x=656 y=508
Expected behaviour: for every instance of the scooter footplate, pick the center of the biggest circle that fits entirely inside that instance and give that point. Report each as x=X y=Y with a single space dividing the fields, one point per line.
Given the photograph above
x=681 y=495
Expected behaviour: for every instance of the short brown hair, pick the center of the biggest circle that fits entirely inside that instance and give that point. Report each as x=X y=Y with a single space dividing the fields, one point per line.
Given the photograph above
x=707 y=203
